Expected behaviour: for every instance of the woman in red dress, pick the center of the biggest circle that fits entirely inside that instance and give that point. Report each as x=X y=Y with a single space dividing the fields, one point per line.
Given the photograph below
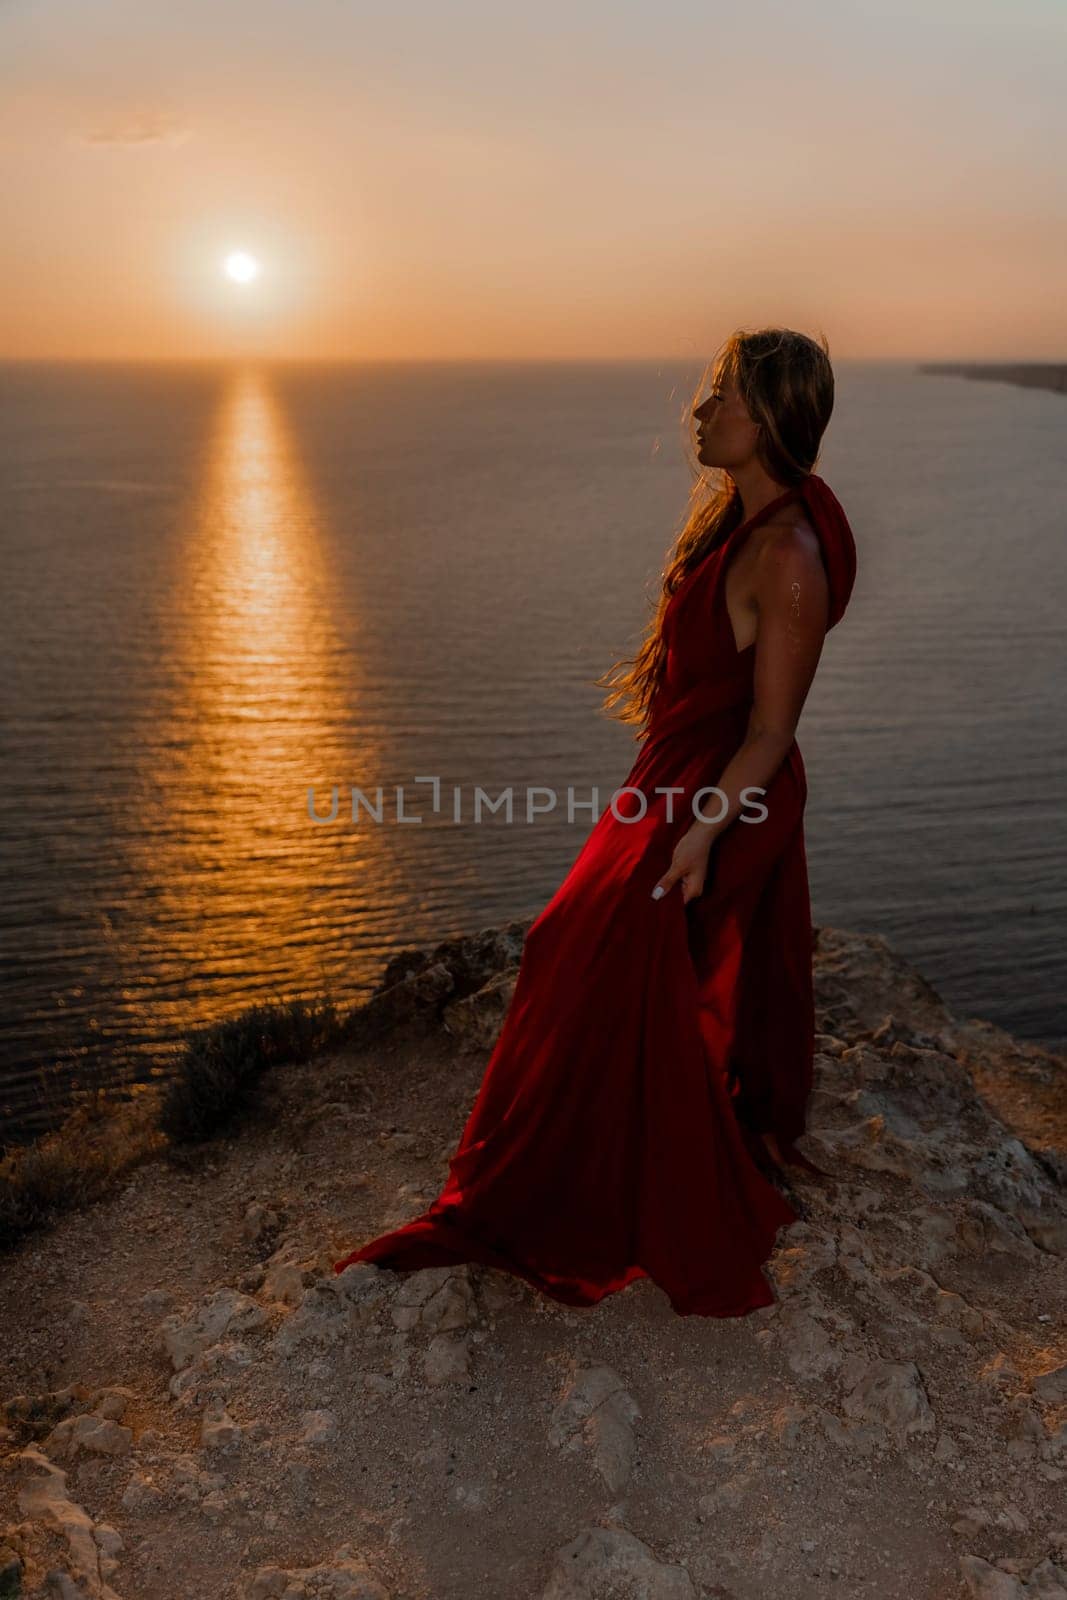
x=652 y=1073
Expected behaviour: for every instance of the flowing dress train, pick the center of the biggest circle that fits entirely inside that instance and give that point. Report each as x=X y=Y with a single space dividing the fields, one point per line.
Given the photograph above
x=647 y=1043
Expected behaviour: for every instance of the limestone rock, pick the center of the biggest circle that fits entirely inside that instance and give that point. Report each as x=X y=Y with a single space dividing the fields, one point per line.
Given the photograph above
x=989 y=1583
x=224 y=1311
x=447 y=1360
x=1051 y=1385
x=43 y=1497
x=891 y=1393
x=611 y=1561
x=598 y=1412
x=475 y=1020
x=98 y=1435
x=345 y=1576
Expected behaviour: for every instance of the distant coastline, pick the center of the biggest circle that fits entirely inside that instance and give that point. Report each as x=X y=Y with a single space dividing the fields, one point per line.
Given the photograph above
x=1030 y=374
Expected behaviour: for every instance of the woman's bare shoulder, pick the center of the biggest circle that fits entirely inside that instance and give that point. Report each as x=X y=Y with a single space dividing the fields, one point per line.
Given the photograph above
x=790 y=529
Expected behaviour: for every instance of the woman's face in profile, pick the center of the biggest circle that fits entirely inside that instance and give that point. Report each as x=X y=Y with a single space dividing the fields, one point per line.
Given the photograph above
x=726 y=434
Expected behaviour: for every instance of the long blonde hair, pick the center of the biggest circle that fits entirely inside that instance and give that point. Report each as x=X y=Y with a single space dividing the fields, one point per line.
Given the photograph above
x=787 y=383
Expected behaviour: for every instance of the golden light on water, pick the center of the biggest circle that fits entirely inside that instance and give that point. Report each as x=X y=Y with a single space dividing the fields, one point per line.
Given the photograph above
x=241 y=267
x=245 y=890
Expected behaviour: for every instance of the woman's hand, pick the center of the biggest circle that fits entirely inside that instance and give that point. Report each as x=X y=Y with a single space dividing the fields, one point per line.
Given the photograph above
x=689 y=863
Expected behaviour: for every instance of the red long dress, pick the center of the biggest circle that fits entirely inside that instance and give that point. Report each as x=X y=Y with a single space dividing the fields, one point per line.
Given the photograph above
x=647 y=1041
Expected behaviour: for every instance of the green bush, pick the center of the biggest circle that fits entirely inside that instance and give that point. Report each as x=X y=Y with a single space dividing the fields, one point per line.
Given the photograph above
x=215 y=1077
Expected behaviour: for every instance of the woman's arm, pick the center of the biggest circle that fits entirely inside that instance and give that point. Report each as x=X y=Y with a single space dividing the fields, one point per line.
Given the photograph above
x=792 y=598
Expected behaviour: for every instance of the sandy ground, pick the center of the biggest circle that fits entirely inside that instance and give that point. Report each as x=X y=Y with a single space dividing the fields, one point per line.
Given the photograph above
x=195 y=1405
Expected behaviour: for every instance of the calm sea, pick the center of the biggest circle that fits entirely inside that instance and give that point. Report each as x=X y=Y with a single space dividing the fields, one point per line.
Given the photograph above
x=223 y=587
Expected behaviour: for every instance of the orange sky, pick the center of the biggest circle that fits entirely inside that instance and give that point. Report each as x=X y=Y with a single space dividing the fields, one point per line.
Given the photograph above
x=487 y=180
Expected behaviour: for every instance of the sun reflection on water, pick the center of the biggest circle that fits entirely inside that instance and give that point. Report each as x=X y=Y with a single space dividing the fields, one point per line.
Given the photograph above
x=245 y=895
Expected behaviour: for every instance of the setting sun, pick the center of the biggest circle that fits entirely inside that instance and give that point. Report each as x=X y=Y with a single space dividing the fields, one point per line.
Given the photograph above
x=241 y=267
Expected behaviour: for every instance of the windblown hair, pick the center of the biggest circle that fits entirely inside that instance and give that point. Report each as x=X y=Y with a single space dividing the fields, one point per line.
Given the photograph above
x=787 y=384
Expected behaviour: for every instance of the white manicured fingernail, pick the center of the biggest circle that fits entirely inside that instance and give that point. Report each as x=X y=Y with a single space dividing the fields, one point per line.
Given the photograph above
x=658 y=892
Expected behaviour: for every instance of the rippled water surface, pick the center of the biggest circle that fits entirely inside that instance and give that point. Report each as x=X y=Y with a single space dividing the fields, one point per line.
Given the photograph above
x=225 y=587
